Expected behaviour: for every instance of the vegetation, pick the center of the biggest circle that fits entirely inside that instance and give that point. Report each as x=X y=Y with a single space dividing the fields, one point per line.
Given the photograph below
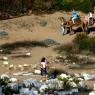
x=10 y=8
x=81 y=43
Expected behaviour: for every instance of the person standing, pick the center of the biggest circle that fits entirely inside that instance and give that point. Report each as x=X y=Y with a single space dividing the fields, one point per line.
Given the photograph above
x=43 y=64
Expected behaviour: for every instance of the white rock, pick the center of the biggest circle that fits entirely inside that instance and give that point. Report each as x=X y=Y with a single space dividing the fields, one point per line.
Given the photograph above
x=5 y=58
x=4 y=76
x=63 y=76
x=43 y=87
x=37 y=72
x=28 y=54
x=73 y=84
x=92 y=93
x=74 y=90
x=94 y=87
x=1 y=50
x=35 y=92
x=81 y=79
x=88 y=76
x=74 y=63
x=25 y=65
x=20 y=67
x=13 y=79
x=77 y=75
x=70 y=79
x=5 y=63
x=81 y=84
x=11 y=66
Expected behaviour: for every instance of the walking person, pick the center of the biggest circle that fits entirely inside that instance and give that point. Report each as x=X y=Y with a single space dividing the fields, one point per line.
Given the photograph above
x=43 y=64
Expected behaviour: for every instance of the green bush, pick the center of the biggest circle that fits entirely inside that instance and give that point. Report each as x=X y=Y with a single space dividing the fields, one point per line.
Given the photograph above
x=79 y=38
x=84 y=42
x=81 y=43
x=82 y=5
x=85 y=6
x=62 y=4
x=64 y=48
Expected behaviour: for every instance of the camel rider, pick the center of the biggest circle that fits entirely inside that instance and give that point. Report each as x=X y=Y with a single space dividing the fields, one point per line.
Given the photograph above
x=74 y=16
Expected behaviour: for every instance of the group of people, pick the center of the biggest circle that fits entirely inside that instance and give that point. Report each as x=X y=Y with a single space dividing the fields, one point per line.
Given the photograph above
x=75 y=19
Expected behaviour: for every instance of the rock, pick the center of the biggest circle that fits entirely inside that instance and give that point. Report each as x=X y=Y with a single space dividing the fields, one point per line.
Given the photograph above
x=27 y=91
x=28 y=54
x=3 y=33
x=3 y=76
x=73 y=84
x=50 y=42
x=54 y=84
x=14 y=86
x=63 y=76
x=5 y=58
x=81 y=84
x=13 y=79
x=94 y=87
x=11 y=66
x=92 y=93
x=37 y=72
x=1 y=50
x=43 y=88
x=20 y=67
x=35 y=83
x=77 y=75
x=88 y=76
x=5 y=63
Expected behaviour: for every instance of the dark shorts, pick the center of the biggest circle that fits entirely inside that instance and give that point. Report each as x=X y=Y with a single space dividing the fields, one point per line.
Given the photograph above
x=43 y=71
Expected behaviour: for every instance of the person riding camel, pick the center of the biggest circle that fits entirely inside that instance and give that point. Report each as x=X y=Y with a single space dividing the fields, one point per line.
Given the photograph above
x=90 y=15
x=74 y=16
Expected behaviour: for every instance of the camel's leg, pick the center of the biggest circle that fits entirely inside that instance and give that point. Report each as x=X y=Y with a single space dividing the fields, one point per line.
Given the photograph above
x=71 y=30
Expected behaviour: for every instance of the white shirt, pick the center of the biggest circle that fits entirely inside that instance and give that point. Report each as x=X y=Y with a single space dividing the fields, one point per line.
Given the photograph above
x=43 y=64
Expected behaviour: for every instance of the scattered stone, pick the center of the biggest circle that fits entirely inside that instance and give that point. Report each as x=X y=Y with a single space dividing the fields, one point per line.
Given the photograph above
x=28 y=54
x=5 y=58
x=37 y=72
x=87 y=76
x=11 y=67
x=50 y=42
x=3 y=33
x=5 y=63
x=13 y=80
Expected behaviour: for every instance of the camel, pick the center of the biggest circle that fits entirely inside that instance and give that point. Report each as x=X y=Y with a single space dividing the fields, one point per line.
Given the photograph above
x=68 y=25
